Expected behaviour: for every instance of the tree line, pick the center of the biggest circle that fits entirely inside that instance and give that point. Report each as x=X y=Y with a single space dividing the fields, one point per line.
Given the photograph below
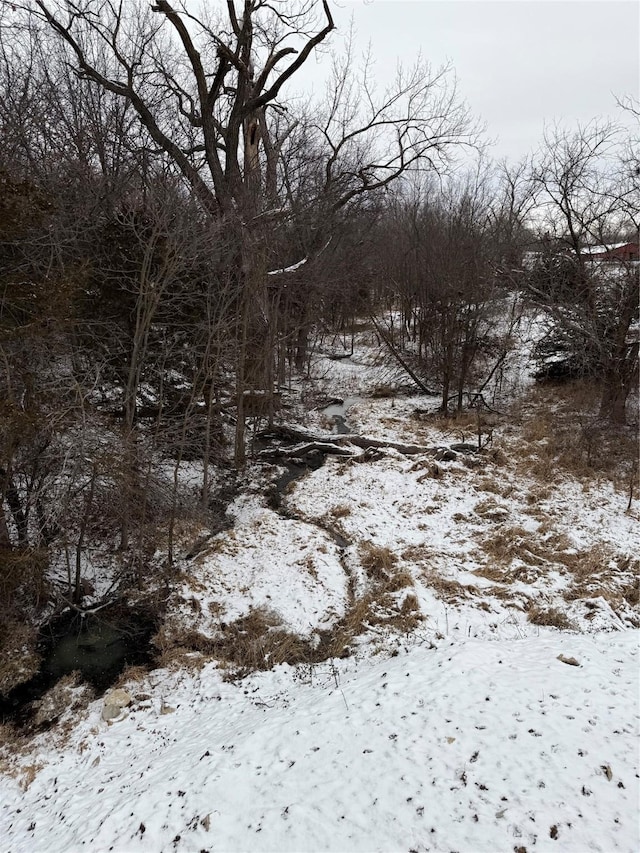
x=175 y=227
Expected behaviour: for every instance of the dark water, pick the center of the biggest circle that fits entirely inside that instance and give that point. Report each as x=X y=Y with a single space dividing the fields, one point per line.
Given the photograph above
x=99 y=646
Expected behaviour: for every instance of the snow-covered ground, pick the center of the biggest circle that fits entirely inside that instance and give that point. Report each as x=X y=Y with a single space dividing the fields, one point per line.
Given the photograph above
x=502 y=716
x=470 y=746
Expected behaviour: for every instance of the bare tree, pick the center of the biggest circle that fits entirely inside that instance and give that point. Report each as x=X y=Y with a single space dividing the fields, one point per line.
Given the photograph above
x=443 y=257
x=208 y=95
x=589 y=191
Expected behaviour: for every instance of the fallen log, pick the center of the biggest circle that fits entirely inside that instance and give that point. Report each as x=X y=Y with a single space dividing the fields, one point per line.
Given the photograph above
x=304 y=450
x=334 y=444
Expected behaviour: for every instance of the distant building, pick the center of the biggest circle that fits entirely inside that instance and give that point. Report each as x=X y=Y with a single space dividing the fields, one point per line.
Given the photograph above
x=622 y=252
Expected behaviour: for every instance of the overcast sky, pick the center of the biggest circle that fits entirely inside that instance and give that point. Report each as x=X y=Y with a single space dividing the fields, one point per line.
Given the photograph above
x=520 y=63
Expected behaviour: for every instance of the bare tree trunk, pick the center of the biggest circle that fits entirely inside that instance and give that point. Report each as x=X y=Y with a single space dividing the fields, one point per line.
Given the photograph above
x=77 y=590
x=239 y=448
x=18 y=513
x=613 y=403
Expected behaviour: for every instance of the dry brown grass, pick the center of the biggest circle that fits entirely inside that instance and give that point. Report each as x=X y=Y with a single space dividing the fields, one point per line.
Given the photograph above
x=258 y=642
x=254 y=642
x=433 y=472
x=178 y=646
x=23 y=575
x=461 y=424
x=377 y=561
x=506 y=594
x=512 y=542
x=129 y=674
x=461 y=518
x=494 y=486
x=24 y=774
x=631 y=592
x=410 y=605
x=448 y=589
x=491 y=510
x=563 y=434
x=549 y=616
x=19 y=659
x=380 y=606
x=538 y=494
x=24 y=590
x=397 y=581
x=601 y=572
x=417 y=554
x=340 y=511
x=386 y=613
x=383 y=392
x=508 y=574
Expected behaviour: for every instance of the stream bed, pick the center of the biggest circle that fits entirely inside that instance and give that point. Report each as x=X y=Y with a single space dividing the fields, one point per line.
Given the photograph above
x=337 y=412
x=98 y=646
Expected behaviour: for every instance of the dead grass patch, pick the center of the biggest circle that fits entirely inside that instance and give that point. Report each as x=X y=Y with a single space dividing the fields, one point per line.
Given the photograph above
x=23 y=577
x=258 y=641
x=537 y=549
x=340 y=511
x=215 y=608
x=461 y=424
x=410 y=604
x=448 y=589
x=538 y=494
x=596 y=562
x=433 y=472
x=397 y=581
x=460 y=518
x=66 y=695
x=377 y=561
x=494 y=486
x=491 y=510
x=508 y=574
x=194 y=583
x=564 y=435
x=19 y=659
x=549 y=616
x=24 y=774
x=600 y=573
x=417 y=554
x=386 y=613
x=380 y=607
x=129 y=674
x=421 y=465
x=498 y=456
x=383 y=392
x=631 y=592
x=178 y=646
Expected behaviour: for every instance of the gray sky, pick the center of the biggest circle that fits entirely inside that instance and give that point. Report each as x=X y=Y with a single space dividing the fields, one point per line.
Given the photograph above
x=520 y=63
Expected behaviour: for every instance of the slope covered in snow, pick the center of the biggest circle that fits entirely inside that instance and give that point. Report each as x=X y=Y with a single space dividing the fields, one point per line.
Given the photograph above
x=487 y=609
x=474 y=745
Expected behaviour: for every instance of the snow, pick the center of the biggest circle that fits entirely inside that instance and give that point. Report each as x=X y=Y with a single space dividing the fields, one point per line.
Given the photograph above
x=469 y=733
x=286 y=567
x=468 y=746
x=291 y=268
x=602 y=250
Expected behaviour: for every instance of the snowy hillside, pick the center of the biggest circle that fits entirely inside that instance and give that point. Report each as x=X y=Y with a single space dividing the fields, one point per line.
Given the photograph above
x=473 y=746
x=455 y=640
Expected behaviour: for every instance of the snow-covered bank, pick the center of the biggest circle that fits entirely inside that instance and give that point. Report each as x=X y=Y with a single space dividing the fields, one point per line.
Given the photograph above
x=473 y=746
x=455 y=582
